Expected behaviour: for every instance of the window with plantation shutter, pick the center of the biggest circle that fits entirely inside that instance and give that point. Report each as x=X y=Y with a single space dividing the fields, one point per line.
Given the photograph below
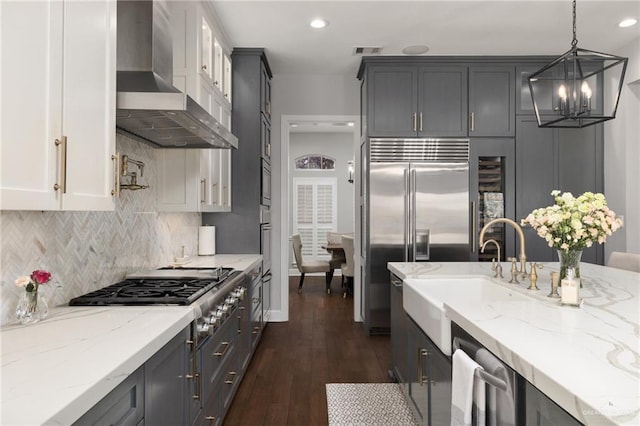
x=314 y=211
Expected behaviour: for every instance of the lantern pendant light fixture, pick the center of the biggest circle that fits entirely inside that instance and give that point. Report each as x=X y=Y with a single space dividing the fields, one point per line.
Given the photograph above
x=578 y=89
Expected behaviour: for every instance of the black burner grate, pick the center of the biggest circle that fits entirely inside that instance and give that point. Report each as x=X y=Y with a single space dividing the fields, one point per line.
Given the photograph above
x=149 y=291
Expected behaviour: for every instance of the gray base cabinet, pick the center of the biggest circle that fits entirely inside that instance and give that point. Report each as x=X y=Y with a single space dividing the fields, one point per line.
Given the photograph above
x=165 y=379
x=123 y=406
x=399 y=335
x=429 y=379
x=542 y=411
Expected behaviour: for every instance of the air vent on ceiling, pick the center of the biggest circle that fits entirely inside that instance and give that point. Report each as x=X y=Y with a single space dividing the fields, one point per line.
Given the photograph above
x=360 y=51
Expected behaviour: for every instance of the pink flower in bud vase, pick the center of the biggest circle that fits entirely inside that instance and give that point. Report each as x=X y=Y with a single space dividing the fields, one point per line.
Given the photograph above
x=40 y=276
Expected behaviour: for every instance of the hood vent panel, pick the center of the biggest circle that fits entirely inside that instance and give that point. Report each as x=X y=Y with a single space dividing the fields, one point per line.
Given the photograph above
x=148 y=106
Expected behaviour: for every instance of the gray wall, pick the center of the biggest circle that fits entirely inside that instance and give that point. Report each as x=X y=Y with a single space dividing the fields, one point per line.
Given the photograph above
x=338 y=146
x=294 y=94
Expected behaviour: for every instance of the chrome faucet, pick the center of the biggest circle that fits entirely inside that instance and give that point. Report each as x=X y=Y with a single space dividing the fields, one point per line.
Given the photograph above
x=514 y=225
x=495 y=266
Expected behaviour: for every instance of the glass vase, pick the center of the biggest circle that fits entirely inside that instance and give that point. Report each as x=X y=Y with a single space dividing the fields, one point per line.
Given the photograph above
x=32 y=307
x=569 y=259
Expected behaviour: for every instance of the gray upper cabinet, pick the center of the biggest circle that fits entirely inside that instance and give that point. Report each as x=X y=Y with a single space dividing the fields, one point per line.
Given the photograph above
x=491 y=100
x=416 y=101
x=547 y=95
x=442 y=107
x=393 y=99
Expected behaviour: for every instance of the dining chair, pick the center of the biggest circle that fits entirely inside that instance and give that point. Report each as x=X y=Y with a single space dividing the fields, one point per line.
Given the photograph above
x=337 y=256
x=627 y=261
x=308 y=266
x=348 y=267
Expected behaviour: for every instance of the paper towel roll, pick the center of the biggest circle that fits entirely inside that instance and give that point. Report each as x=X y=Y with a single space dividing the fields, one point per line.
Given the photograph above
x=206 y=240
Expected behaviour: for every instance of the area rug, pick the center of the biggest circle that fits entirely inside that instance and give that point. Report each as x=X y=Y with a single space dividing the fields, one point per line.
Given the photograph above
x=368 y=404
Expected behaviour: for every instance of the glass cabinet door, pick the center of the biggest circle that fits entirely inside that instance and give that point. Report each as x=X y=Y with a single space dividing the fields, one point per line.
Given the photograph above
x=492 y=196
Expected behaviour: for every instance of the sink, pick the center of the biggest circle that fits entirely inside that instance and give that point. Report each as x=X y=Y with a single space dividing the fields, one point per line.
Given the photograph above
x=424 y=301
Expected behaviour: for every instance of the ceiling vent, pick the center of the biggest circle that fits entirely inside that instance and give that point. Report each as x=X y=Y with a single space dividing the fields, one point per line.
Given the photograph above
x=361 y=51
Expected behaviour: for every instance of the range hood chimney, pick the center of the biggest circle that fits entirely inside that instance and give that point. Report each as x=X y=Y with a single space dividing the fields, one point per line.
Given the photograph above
x=148 y=106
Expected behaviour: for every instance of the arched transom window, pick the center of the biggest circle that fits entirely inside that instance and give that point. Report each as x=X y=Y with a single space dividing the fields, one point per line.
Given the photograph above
x=315 y=162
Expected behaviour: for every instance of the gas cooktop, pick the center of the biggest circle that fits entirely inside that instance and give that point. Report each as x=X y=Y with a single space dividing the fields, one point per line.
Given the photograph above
x=175 y=287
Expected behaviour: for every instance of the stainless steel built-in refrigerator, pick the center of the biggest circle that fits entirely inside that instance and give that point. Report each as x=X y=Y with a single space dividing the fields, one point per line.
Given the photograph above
x=417 y=209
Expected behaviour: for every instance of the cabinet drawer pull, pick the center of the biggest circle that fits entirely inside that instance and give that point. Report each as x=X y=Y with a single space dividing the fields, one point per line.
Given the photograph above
x=233 y=375
x=203 y=197
x=414 y=122
x=472 y=122
x=211 y=418
x=226 y=345
x=422 y=379
x=197 y=395
x=420 y=122
x=62 y=143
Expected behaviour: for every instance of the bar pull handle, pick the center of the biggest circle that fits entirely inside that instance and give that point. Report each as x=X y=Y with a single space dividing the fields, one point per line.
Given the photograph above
x=62 y=143
x=214 y=198
x=422 y=379
x=420 y=121
x=397 y=282
x=414 y=236
x=472 y=122
x=203 y=184
x=233 y=375
x=474 y=227
x=116 y=171
x=407 y=225
x=414 y=122
x=226 y=345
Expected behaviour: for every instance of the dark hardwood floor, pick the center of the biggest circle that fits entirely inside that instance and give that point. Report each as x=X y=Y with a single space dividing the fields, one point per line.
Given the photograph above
x=285 y=382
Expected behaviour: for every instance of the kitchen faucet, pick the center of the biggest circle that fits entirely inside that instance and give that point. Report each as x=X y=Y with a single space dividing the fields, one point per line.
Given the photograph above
x=514 y=225
x=495 y=266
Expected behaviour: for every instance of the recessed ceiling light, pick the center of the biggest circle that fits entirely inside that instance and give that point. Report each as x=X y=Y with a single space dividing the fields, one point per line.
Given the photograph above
x=627 y=23
x=351 y=124
x=415 y=50
x=318 y=23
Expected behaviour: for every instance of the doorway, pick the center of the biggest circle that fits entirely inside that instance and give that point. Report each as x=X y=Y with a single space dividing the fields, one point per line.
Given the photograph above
x=305 y=130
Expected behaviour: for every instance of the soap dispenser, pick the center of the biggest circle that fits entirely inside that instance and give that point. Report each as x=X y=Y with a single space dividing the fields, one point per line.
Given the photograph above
x=571 y=289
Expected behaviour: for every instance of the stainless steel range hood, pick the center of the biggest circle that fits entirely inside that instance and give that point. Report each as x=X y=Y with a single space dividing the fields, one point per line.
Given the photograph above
x=148 y=106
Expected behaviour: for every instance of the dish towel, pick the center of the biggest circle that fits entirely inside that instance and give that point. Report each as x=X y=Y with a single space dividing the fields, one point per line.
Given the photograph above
x=500 y=404
x=467 y=392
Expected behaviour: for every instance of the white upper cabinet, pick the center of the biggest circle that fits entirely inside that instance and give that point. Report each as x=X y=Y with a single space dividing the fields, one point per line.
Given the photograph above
x=199 y=65
x=198 y=180
x=58 y=105
x=194 y=180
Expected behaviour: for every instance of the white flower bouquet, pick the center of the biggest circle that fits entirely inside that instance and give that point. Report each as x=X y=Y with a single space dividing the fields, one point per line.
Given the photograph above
x=574 y=223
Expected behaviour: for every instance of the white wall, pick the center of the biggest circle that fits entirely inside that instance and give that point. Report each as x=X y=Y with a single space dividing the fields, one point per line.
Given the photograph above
x=622 y=157
x=294 y=94
x=335 y=145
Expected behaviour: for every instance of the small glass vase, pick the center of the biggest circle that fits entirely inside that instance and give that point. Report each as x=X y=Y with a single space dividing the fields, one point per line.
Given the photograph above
x=32 y=307
x=569 y=259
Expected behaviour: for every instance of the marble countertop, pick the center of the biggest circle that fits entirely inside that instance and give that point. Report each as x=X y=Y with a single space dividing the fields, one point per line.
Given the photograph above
x=585 y=359
x=56 y=370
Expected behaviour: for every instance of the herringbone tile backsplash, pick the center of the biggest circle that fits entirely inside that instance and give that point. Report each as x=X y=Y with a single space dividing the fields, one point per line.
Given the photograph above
x=85 y=251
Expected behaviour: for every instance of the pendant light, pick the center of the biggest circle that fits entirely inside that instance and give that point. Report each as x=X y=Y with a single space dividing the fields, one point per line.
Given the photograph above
x=578 y=89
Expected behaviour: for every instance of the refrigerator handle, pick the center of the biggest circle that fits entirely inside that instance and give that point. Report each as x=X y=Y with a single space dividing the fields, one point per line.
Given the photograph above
x=414 y=240
x=407 y=224
x=474 y=225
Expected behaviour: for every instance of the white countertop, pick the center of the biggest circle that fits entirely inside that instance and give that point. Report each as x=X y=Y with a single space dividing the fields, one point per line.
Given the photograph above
x=56 y=370
x=585 y=359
